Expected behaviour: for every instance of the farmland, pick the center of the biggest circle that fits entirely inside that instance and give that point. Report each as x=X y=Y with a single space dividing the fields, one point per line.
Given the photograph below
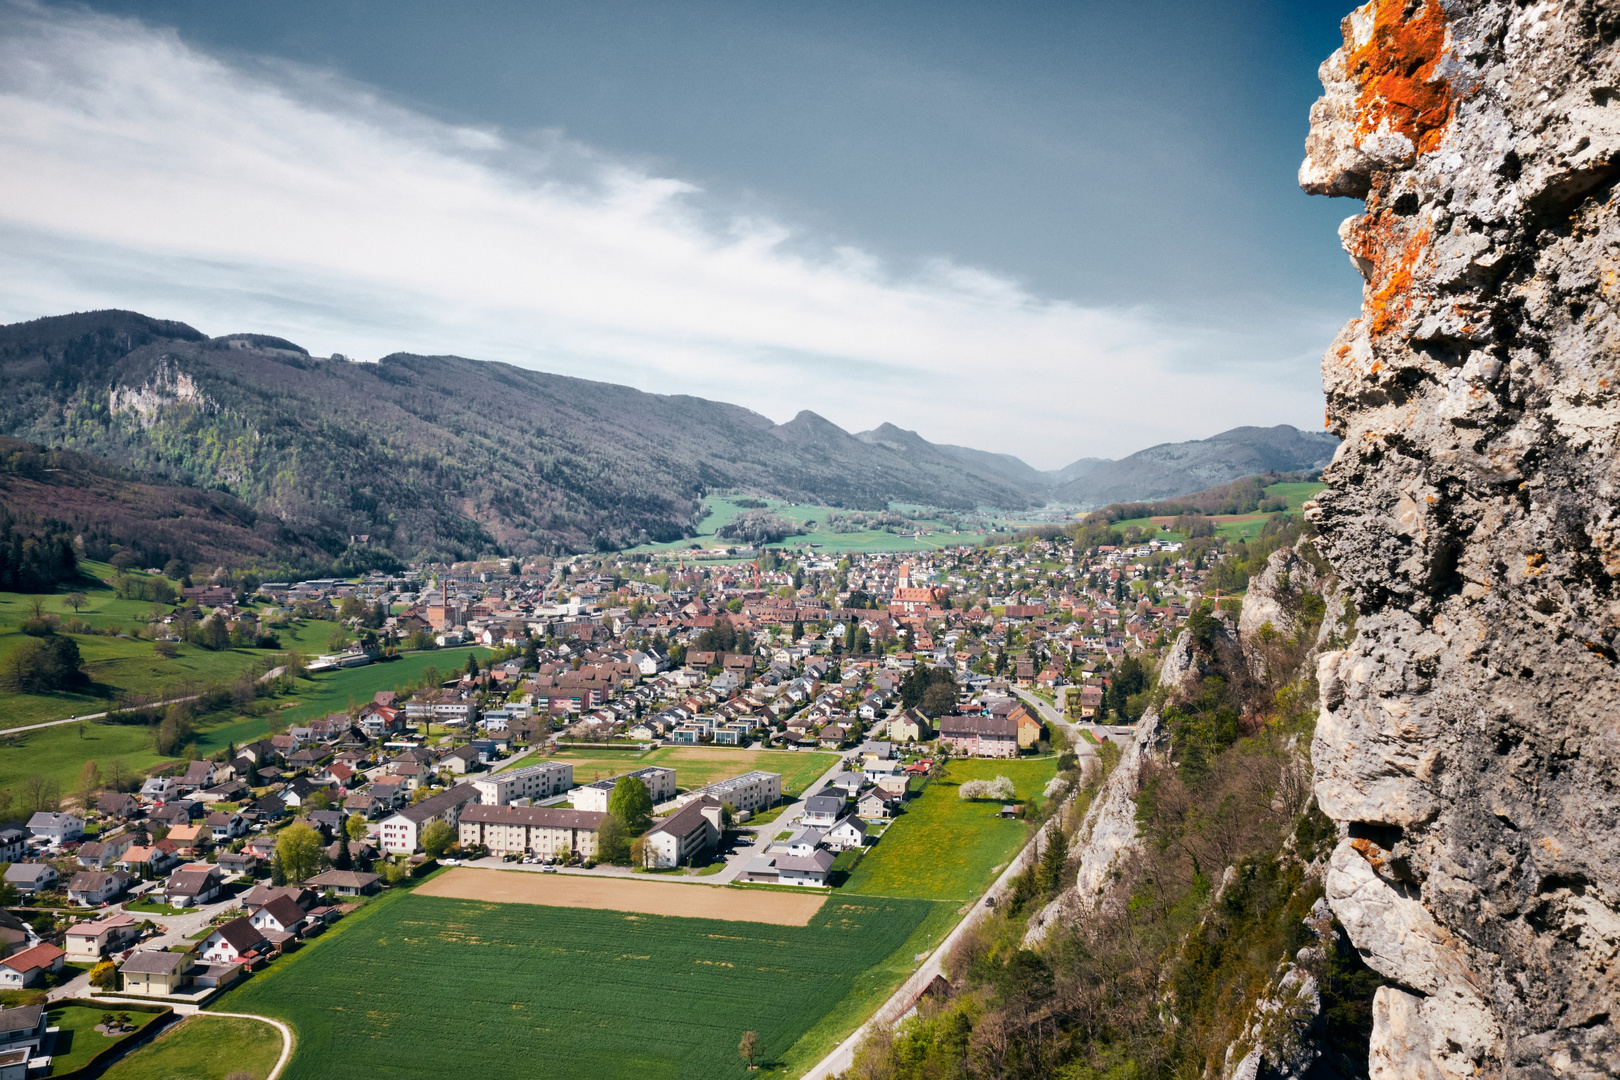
x=696 y=766
x=586 y=993
x=947 y=848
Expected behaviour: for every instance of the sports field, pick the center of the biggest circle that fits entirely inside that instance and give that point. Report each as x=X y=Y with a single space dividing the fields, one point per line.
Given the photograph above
x=415 y=986
x=944 y=847
x=617 y=894
x=696 y=766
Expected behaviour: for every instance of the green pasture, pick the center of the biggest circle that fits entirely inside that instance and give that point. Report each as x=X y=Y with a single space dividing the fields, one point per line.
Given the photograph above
x=572 y=992
x=204 y=1048
x=60 y=752
x=696 y=766
x=722 y=510
x=944 y=847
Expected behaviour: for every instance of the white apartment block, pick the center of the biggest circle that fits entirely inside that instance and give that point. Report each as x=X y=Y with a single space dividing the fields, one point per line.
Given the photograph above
x=594 y=797
x=749 y=793
x=540 y=781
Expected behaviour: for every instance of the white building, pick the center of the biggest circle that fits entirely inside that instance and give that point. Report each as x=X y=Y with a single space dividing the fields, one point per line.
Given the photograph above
x=57 y=828
x=685 y=836
x=550 y=832
x=749 y=793
x=540 y=781
x=594 y=797
x=401 y=833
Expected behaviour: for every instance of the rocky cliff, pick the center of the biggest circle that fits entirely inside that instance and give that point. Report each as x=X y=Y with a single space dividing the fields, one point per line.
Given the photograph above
x=1468 y=743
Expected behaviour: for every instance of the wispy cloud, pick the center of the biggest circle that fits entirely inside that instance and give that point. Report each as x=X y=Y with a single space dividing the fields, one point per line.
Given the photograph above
x=136 y=171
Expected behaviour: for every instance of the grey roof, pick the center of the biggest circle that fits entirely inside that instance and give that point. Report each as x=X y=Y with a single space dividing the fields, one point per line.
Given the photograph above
x=689 y=820
x=815 y=862
x=153 y=962
x=342 y=879
x=24 y=872
x=824 y=804
x=545 y=816
x=22 y=1018
x=434 y=805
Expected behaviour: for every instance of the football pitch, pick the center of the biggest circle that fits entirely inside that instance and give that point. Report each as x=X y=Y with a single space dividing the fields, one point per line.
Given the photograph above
x=416 y=986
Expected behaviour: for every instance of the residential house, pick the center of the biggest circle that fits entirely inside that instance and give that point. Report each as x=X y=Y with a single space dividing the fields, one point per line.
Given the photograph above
x=148 y=858
x=13 y=843
x=1030 y=728
x=92 y=888
x=345 y=882
x=175 y=813
x=30 y=879
x=878 y=804
x=88 y=942
x=910 y=726
x=402 y=832
x=14 y=934
x=224 y=827
x=119 y=805
x=100 y=854
x=980 y=736
x=549 y=832
x=29 y=966
x=281 y=915
x=56 y=828
x=849 y=832
x=159 y=789
x=191 y=886
x=812 y=869
x=203 y=773
x=823 y=809
x=151 y=973
x=191 y=839
x=237 y=941
x=686 y=835
x=23 y=1031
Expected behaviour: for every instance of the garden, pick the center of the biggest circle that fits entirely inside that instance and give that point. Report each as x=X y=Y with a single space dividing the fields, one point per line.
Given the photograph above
x=204 y=1048
x=88 y=1029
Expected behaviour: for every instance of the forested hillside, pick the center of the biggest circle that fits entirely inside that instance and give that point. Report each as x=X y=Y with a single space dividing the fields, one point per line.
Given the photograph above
x=431 y=455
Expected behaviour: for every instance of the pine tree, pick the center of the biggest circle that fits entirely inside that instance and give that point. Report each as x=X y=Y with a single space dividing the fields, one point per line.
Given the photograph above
x=278 y=876
x=343 y=861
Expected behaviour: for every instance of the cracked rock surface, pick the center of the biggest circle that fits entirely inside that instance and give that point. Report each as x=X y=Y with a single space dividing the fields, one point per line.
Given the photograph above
x=1469 y=741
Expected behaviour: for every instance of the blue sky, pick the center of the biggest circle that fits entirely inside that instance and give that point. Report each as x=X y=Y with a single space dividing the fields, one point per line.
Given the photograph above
x=1054 y=230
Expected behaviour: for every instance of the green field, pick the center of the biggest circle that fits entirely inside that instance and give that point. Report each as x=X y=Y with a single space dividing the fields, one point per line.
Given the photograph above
x=722 y=510
x=696 y=766
x=204 y=1048
x=60 y=752
x=78 y=1041
x=129 y=665
x=415 y=986
x=947 y=848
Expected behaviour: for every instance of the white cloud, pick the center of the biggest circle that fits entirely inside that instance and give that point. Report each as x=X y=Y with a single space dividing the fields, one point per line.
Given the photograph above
x=138 y=172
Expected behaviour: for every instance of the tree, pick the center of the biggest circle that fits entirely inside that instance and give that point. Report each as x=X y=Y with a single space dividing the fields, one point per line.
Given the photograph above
x=938 y=700
x=89 y=783
x=472 y=666
x=631 y=804
x=1053 y=860
x=43 y=665
x=104 y=976
x=355 y=827
x=278 y=876
x=748 y=1048
x=40 y=792
x=613 y=841
x=437 y=838
x=344 y=860
x=298 y=848
x=76 y=601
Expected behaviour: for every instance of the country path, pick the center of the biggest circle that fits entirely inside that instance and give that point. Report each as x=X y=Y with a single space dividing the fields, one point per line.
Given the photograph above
x=266 y=677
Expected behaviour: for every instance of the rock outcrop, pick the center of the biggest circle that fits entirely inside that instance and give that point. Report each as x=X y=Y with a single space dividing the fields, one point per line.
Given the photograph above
x=1468 y=741
x=1107 y=832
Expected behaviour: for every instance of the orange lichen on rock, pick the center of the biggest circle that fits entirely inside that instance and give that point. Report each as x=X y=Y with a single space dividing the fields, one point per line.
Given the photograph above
x=1396 y=73
x=1381 y=239
x=1369 y=851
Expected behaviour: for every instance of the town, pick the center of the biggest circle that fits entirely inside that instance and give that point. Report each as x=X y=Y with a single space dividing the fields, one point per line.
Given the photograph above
x=735 y=717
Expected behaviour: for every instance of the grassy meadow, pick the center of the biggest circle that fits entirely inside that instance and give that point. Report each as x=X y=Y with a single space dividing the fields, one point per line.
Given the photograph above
x=696 y=766
x=586 y=993
x=60 y=752
x=204 y=1048
x=944 y=847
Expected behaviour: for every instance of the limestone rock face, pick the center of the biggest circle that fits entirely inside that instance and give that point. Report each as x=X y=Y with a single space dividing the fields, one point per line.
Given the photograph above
x=1469 y=738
